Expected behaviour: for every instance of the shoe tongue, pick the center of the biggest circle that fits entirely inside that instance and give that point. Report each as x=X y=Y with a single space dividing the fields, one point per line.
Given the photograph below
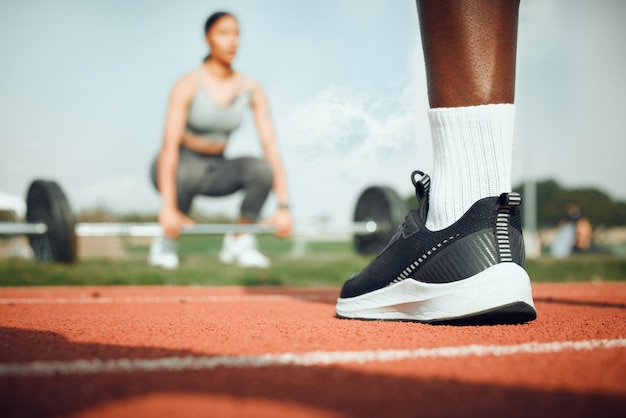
x=422 y=189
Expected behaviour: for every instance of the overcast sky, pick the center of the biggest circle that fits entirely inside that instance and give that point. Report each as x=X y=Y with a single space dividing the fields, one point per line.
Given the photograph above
x=84 y=87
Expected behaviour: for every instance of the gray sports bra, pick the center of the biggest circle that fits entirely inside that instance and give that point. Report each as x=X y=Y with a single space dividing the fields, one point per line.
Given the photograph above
x=211 y=121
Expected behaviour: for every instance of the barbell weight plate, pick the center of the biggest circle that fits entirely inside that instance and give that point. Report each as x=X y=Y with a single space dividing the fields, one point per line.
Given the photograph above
x=384 y=206
x=46 y=203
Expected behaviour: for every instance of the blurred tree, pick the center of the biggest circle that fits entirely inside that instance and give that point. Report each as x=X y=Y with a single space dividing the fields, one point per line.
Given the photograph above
x=412 y=202
x=596 y=205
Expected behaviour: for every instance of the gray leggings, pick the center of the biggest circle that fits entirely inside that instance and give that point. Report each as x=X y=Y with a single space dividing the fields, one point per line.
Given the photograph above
x=213 y=175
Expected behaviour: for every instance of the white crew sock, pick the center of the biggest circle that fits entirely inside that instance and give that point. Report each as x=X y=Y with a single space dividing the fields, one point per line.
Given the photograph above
x=473 y=151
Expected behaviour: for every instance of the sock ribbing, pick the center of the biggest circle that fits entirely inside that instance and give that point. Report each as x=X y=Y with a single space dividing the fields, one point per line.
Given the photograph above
x=473 y=150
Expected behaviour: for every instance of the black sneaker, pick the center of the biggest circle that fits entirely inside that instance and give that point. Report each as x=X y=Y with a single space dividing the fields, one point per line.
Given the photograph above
x=469 y=273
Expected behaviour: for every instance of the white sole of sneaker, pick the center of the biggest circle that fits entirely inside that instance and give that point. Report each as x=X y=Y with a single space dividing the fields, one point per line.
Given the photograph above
x=501 y=293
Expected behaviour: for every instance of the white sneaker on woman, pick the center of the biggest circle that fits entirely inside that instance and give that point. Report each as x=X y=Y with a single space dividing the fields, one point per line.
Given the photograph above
x=243 y=250
x=163 y=253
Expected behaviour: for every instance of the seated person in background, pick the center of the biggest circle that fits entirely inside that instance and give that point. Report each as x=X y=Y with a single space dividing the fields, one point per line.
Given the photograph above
x=205 y=106
x=582 y=242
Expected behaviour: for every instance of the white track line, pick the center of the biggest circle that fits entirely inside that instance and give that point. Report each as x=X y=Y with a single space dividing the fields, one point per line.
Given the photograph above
x=313 y=358
x=161 y=299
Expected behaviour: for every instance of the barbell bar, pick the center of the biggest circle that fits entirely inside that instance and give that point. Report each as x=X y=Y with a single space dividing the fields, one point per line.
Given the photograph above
x=123 y=229
x=22 y=228
x=52 y=230
x=155 y=230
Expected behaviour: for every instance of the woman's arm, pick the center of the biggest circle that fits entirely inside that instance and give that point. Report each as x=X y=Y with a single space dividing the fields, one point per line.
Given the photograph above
x=265 y=129
x=180 y=97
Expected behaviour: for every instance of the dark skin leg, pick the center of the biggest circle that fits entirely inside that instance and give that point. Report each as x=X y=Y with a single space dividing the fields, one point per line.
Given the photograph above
x=469 y=50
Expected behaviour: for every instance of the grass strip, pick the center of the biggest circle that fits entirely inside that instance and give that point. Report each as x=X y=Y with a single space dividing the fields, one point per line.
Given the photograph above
x=312 y=270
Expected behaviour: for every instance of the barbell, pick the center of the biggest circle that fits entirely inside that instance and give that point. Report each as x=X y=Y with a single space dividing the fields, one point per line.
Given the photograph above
x=52 y=229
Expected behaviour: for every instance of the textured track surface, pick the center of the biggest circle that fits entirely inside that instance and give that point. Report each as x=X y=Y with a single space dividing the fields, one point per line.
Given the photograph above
x=237 y=352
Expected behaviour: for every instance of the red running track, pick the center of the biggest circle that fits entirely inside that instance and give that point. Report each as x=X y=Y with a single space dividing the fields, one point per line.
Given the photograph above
x=266 y=352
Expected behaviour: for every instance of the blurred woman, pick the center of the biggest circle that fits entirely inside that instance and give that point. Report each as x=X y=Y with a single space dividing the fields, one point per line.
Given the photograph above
x=205 y=107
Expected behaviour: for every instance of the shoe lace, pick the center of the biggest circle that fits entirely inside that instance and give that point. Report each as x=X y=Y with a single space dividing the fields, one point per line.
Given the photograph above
x=422 y=188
